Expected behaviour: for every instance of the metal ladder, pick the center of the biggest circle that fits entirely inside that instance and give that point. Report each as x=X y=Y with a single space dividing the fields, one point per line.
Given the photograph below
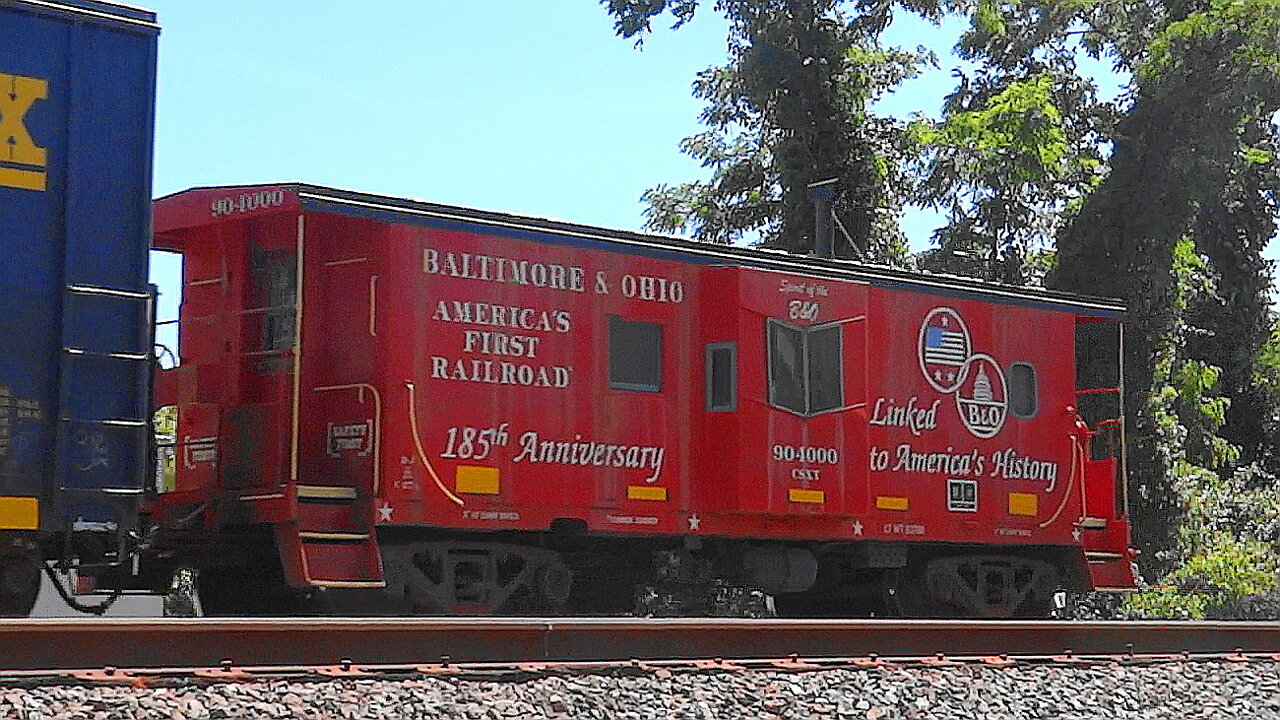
x=103 y=438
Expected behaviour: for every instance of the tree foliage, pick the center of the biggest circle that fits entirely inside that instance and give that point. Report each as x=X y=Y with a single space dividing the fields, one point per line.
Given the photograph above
x=1164 y=197
x=788 y=109
x=1188 y=161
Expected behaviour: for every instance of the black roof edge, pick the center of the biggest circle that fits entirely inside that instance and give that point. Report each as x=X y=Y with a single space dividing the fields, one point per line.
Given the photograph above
x=835 y=268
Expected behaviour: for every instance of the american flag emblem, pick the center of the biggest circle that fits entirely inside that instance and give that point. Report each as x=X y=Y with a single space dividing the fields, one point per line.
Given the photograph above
x=945 y=347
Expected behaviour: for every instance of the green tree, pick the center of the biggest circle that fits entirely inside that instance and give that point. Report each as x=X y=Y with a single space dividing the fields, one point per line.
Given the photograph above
x=1006 y=161
x=1184 y=162
x=788 y=109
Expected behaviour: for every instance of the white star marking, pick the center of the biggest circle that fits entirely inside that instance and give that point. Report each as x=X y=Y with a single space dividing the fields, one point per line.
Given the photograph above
x=857 y=527
x=946 y=320
x=385 y=511
x=695 y=522
x=1076 y=534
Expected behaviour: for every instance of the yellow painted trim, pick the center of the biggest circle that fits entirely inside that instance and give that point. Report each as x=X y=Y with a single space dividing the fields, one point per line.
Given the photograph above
x=476 y=480
x=801 y=495
x=646 y=492
x=334 y=536
x=357 y=584
x=886 y=502
x=22 y=179
x=326 y=492
x=19 y=513
x=255 y=498
x=1102 y=556
x=1024 y=504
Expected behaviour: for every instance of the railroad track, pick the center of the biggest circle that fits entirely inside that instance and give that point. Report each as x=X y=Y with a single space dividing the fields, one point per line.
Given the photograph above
x=235 y=649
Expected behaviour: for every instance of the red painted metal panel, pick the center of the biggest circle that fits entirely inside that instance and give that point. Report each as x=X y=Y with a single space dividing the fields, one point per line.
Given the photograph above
x=460 y=375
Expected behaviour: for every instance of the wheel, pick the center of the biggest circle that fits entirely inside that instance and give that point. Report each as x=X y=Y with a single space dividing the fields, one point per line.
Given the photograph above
x=19 y=583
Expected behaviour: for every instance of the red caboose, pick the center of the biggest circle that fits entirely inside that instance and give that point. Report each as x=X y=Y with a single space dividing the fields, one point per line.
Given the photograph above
x=462 y=411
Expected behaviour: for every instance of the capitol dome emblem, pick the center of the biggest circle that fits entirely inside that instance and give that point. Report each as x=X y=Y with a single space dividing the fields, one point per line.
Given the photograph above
x=952 y=367
x=982 y=398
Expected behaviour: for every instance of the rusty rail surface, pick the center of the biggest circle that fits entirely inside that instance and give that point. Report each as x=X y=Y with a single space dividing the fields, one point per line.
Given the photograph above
x=93 y=643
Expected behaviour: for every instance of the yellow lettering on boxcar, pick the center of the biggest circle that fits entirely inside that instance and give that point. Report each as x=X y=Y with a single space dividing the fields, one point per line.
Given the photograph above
x=17 y=148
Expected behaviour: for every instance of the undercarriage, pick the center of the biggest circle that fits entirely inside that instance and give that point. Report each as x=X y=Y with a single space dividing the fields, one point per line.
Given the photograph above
x=529 y=574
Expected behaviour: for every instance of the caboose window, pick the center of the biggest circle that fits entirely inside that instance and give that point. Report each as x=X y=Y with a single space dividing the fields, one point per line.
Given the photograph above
x=786 y=367
x=274 y=287
x=805 y=368
x=722 y=377
x=635 y=355
x=1023 y=393
x=826 y=376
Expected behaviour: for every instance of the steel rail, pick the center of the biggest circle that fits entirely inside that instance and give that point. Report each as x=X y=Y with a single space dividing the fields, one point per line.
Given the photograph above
x=67 y=644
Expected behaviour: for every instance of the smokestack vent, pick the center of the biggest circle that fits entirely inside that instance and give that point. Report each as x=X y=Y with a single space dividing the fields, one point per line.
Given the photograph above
x=823 y=193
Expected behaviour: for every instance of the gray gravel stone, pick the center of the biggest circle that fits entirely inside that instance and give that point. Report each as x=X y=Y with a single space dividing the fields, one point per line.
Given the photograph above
x=1199 y=690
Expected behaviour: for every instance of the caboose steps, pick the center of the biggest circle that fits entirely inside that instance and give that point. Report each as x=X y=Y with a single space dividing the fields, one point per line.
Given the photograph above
x=331 y=543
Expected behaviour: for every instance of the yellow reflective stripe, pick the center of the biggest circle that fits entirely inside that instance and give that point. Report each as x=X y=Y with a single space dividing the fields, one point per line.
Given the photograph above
x=646 y=492
x=1024 y=504
x=885 y=502
x=22 y=179
x=476 y=480
x=19 y=513
x=801 y=495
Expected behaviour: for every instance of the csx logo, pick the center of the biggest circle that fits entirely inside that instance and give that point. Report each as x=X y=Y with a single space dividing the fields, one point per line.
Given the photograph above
x=22 y=162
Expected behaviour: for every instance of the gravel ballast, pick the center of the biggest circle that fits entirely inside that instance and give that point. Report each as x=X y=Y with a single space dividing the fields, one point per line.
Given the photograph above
x=1169 y=690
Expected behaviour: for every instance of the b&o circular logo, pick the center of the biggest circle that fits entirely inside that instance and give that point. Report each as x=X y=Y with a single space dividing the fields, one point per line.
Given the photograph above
x=982 y=398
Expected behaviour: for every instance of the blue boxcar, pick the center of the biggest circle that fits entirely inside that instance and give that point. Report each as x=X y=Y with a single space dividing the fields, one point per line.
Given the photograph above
x=77 y=103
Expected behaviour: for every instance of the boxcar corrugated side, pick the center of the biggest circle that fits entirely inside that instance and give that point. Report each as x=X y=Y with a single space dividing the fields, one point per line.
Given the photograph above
x=77 y=90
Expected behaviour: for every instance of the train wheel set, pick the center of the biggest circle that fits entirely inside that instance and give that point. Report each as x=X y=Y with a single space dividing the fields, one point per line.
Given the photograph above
x=386 y=406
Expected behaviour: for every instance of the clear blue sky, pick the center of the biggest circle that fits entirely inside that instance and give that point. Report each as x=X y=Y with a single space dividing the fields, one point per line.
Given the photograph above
x=524 y=107
x=510 y=105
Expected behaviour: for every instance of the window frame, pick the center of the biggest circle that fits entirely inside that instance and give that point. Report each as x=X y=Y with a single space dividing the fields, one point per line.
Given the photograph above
x=709 y=352
x=810 y=331
x=804 y=331
x=1035 y=390
x=771 y=388
x=630 y=386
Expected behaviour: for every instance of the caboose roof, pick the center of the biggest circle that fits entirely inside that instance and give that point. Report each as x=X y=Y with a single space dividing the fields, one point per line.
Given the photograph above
x=317 y=198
